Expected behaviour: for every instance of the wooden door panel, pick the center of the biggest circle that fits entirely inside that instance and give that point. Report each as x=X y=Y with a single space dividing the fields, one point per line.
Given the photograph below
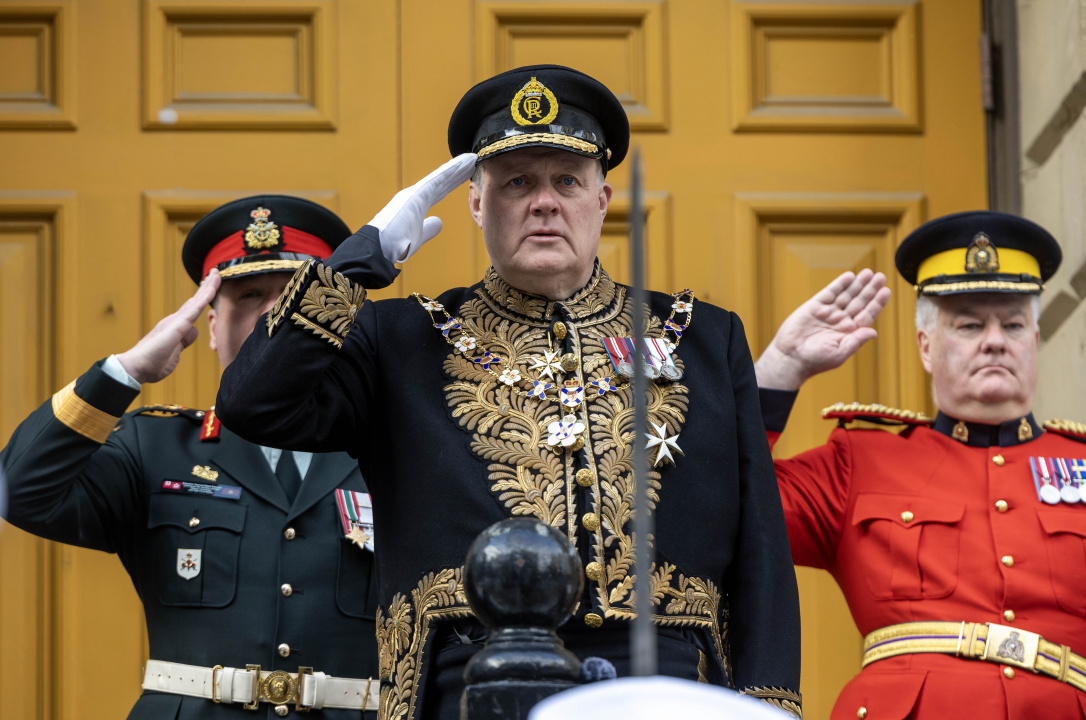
x=28 y=243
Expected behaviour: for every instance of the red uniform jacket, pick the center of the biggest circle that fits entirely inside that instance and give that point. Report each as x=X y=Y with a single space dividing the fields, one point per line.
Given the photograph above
x=962 y=556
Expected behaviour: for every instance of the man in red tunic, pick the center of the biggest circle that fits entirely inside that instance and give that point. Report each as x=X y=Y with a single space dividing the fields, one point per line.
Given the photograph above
x=959 y=541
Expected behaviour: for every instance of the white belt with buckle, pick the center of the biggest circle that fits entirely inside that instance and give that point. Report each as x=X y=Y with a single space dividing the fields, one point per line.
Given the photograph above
x=305 y=689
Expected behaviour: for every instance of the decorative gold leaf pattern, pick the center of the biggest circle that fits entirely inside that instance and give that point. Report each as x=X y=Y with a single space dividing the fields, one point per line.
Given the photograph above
x=531 y=478
x=285 y=300
x=401 y=642
x=332 y=301
x=778 y=697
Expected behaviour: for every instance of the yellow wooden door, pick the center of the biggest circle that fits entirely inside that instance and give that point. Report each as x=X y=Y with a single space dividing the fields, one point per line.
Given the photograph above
x=783 y=142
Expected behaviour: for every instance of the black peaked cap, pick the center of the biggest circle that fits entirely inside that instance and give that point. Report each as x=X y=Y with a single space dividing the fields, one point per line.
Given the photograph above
x=285 y=213
x=571 y=111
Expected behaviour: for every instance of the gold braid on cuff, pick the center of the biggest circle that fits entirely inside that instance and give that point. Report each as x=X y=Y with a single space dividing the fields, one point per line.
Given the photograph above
x=778 y=697
x=81 y=416
x=328 y=306
x=286 y=303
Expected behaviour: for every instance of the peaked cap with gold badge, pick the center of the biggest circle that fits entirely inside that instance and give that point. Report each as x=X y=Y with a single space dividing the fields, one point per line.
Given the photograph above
x=261 y=234
x=541 y=106
x=978 y=251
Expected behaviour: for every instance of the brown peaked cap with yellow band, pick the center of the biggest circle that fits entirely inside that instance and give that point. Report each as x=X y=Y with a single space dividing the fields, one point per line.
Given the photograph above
x=978 y=251
x=541 y=106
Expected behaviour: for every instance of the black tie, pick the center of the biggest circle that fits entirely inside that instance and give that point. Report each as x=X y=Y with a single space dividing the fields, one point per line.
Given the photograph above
x=287 y=472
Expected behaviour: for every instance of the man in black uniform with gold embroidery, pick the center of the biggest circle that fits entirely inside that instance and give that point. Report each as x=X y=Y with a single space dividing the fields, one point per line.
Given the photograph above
x=239 y=552
x=509 y=398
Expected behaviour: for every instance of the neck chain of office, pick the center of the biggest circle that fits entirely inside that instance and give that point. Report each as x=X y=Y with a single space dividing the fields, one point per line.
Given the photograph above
x=551 y=362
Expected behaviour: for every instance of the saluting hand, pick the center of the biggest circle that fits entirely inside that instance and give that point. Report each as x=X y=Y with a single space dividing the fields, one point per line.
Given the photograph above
x=157 y=353
x=824 y=331
x=403 y=223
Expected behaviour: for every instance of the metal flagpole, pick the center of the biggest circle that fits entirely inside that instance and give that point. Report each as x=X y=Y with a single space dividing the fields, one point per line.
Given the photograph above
x=643 y=634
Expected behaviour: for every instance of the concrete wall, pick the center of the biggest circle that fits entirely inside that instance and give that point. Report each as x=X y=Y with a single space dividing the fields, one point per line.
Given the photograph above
x=1052 y=81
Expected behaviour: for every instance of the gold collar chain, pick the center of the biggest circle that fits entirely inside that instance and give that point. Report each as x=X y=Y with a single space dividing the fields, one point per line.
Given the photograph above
x=470 y=345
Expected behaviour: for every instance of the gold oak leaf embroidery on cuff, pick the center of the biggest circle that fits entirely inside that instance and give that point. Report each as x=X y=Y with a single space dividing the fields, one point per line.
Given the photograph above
x=329 y=306
x=778 y=697
x=285 y=301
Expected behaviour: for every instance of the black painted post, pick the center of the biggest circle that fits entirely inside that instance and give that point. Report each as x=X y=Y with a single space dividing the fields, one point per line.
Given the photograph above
x=522 y=579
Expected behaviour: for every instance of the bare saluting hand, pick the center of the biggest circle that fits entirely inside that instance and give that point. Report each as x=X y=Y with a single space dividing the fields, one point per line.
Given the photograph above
x=157 y=353
x=824 y=331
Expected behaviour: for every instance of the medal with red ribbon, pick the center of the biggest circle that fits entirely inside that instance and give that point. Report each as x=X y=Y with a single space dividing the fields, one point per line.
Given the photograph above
x=356 y=516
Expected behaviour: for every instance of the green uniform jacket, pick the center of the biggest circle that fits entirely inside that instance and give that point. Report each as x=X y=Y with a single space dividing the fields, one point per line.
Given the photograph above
x=79 y=473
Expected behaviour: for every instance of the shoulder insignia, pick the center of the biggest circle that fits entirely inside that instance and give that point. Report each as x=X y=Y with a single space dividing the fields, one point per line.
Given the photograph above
x=169 y=411
x=1067 y=428
x=875 y=413
x=209 y=430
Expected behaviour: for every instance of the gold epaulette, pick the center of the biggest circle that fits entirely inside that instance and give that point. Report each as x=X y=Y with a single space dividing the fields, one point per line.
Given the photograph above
x=875 y=413
x=1067 y=428
x=167 y=411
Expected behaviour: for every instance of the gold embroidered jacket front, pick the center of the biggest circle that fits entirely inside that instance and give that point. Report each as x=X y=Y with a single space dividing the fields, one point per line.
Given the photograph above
x=441 y=402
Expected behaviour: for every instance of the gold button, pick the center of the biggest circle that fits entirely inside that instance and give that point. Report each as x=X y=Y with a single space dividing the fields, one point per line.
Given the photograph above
x=593 y=571
x=1008 y=615
x=593 y=620
x=1008 y=560
x=1001 y=505
x=284 y=650
x=578 y=444
x=1009 y=672
x=907 y=516
x=281 y=710
x=591 y=522
x=194 y=521
x=998 y=460
x=560 y=330
x=289 y=533
x=570 y=362
x=585 y=477
x=287 y=590
x=861 y=713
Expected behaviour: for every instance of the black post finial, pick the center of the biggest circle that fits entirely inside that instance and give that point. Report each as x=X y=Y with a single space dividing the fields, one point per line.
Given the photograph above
x=522 y=578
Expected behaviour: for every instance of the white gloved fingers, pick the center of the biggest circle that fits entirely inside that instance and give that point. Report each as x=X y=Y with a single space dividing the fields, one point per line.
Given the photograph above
x=388 y=213
x=431 y=226
x=403 y=224
x=448 y=177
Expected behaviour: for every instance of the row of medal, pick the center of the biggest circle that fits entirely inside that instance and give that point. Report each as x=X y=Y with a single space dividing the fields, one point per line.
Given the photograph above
x=657 y=358
x=1059 y=479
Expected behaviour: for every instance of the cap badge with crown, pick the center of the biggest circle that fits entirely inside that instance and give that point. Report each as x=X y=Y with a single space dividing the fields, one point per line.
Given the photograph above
x=528 y=104
x=981 y=257
x=261 y=233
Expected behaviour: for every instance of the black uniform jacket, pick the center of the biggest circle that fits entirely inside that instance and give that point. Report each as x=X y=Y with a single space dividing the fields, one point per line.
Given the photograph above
x=449 y=448
x=112 y=496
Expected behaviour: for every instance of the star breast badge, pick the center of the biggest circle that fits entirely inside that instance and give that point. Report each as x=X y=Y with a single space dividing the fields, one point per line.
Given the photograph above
x=663 y=444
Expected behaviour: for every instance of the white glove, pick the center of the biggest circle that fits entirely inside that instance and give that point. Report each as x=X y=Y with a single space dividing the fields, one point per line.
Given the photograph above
x=403 y=223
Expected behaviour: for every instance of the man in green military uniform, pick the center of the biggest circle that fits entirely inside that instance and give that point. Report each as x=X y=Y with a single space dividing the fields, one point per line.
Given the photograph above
x=254 y=565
